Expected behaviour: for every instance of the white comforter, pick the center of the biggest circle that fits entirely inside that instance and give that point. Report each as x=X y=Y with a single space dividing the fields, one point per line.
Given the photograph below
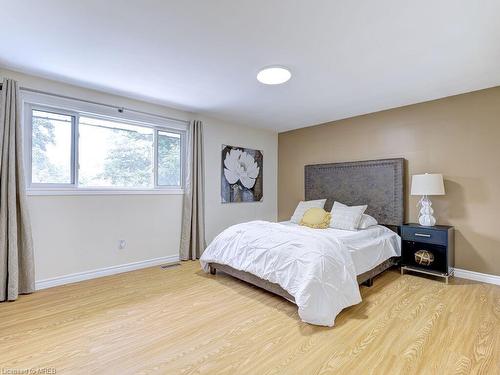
x=310 y=264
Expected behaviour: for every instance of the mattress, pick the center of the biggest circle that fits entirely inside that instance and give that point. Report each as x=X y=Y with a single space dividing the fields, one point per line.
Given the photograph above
x=368 y=247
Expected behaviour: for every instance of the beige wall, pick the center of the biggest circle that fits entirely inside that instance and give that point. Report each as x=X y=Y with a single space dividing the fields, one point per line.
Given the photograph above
x=458 y=136
x=74 y=234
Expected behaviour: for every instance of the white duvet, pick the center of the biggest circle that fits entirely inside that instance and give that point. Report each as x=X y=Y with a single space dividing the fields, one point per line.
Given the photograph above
x=314 y=266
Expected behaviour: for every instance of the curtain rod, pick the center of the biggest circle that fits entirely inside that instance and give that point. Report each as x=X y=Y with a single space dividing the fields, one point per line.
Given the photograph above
x=119 y=109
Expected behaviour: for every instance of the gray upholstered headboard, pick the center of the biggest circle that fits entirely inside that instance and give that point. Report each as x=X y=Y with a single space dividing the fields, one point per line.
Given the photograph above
x=377 y=183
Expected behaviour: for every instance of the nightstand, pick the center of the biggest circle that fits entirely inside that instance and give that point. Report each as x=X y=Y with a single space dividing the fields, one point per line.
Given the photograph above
x=428 y=250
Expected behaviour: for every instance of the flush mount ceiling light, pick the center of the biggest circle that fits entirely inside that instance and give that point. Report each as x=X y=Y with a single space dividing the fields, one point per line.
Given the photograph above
x=274 y=75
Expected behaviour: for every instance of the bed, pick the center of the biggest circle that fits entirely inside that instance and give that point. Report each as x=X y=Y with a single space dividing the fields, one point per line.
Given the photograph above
x=320 y=270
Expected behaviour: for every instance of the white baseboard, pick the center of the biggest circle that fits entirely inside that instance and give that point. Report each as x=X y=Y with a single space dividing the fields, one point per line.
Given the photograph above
x=87 y=275
x=113 y=270
x=476 y=276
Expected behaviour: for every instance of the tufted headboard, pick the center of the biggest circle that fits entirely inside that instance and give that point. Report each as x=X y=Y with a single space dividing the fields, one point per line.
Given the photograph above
x=377 y=183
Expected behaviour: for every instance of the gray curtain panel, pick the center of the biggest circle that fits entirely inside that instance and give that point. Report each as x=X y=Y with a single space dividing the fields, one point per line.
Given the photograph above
x=17 y=272
x=193 y=214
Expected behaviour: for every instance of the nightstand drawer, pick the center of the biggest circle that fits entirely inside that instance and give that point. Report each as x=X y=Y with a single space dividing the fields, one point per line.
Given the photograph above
x=438 y=237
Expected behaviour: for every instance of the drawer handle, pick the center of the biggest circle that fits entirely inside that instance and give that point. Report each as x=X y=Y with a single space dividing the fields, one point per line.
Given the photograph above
x=422 y=235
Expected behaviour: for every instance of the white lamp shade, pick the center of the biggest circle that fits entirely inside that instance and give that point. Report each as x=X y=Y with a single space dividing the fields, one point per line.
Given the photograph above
x=427 y=184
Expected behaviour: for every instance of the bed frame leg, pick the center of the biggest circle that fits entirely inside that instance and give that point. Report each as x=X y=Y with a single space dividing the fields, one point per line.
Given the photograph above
x=369 y=282
x=213 y=271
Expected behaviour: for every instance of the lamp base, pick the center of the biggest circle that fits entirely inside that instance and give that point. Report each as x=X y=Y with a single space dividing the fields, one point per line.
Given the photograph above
x=425 y=218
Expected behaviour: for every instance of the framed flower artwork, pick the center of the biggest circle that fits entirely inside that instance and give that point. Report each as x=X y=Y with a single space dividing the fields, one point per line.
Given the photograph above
x=241 y=177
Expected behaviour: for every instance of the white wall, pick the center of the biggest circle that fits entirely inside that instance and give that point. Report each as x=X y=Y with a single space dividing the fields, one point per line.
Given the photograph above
x=218 y=215
x=74 y=234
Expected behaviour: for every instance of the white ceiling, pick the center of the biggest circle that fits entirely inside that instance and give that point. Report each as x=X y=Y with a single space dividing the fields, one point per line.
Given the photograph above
x=347 y=57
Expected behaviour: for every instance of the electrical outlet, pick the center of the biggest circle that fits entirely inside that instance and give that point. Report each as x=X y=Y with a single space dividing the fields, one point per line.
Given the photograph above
x=122 y=244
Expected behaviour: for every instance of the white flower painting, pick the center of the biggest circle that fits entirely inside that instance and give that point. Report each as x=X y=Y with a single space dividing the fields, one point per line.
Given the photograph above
x=241 y=174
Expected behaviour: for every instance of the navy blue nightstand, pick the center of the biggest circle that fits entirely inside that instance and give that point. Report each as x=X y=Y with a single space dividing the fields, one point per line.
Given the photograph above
x=428 y=250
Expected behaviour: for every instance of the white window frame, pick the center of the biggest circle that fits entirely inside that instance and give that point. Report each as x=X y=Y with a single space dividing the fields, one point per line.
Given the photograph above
x=75 y=108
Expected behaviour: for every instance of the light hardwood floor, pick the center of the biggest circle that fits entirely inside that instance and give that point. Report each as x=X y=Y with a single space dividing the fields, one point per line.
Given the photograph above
x=180 y=320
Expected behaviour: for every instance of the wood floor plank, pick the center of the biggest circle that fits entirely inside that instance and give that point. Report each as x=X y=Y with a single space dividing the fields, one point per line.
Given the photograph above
x=183 y=321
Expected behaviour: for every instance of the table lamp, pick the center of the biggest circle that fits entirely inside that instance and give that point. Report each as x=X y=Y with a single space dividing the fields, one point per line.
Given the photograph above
x=425 y=185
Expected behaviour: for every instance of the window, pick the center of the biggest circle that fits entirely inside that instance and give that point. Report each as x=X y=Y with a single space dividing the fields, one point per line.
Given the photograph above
x=70 y=150
x=114 y=154
x=51 y=140
x=169 y=160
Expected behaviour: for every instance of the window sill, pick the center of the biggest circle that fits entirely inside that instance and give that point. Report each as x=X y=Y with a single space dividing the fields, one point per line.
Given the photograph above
x=81 y=191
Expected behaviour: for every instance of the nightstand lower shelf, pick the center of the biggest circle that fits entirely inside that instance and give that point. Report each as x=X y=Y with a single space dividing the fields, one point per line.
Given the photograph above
x=428 y=272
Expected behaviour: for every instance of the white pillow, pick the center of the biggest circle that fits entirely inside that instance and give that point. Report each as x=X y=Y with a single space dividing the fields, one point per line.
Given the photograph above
x=345 y=217
x=367 y=221
x=303 y=206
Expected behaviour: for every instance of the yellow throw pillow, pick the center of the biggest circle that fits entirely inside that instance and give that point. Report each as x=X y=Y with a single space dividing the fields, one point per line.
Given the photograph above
x=316 y=218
